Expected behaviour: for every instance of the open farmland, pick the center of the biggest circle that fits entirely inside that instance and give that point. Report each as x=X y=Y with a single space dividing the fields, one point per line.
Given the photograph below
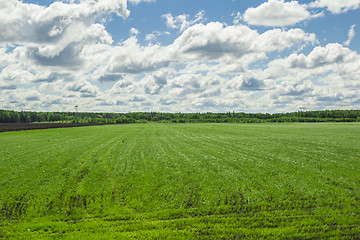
x=182 y=181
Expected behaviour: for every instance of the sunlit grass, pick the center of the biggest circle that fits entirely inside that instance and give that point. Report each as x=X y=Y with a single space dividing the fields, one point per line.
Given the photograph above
x=182 y=180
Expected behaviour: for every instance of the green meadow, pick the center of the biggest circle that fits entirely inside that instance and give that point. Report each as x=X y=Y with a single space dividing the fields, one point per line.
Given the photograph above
x=182 y=181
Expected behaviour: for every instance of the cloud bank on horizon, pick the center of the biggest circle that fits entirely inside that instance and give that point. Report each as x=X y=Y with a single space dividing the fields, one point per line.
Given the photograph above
x=181 y=56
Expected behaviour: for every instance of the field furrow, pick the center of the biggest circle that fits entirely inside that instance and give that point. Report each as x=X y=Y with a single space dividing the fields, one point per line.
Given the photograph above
x=205 y=181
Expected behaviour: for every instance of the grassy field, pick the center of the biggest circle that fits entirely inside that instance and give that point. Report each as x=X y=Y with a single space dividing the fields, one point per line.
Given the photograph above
x=181 y=181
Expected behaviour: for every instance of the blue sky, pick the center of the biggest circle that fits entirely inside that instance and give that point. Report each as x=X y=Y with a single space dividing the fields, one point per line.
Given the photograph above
x=171 y=56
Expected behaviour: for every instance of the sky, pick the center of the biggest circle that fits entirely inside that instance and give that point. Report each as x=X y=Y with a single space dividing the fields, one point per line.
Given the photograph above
x=179 y=55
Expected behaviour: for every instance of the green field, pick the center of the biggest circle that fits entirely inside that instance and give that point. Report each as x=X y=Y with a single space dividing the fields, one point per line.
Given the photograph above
x=182 y=181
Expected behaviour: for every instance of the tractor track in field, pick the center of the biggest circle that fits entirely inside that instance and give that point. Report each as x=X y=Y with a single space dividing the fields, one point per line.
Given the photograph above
x=216 y=218
x=105 y=147
x=108 y=170
x=83 y=171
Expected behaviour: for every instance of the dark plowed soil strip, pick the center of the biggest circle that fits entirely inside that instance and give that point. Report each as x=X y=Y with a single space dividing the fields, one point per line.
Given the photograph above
x=6 y=127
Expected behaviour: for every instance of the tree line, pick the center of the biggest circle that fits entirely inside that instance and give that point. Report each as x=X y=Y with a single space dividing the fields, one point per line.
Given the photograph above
x=10 y=116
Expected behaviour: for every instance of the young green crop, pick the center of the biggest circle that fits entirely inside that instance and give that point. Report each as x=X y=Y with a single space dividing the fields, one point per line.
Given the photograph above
x=181 y=181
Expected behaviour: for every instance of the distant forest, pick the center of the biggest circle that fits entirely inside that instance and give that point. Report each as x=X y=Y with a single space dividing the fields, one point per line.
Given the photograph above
x=9 y=116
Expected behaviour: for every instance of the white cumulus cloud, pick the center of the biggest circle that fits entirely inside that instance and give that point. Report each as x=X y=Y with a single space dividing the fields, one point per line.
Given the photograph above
x=85 y=88
x=214 y=40
x=332 y=53
x=277 y=13
x=336 y=6
x=181 y=22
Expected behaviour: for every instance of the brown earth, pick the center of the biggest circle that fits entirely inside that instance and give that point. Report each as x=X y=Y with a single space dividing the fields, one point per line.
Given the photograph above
x=5 y=127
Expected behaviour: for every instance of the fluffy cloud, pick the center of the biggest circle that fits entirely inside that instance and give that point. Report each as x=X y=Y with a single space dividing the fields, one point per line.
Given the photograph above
x=331 y=54
x=85 y=88
x=294 y=88
x=33 y=24
x=277 y=13
x=214 y=40
x=325 y=78
x=211 y=42
x=246 y=82
x=154 y=35
x=181 y=22
x=191 y=91
x=336 y=6
x=54 y=36
x=233 y=45
x=13 y=75
x=132 y=58
x=156 y=81
x=123 y=87
x=28 y=99
x=134 y=32
x=278 y=39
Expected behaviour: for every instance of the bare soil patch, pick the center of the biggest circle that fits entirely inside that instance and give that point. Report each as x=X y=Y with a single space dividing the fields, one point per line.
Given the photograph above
x=6 y=127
